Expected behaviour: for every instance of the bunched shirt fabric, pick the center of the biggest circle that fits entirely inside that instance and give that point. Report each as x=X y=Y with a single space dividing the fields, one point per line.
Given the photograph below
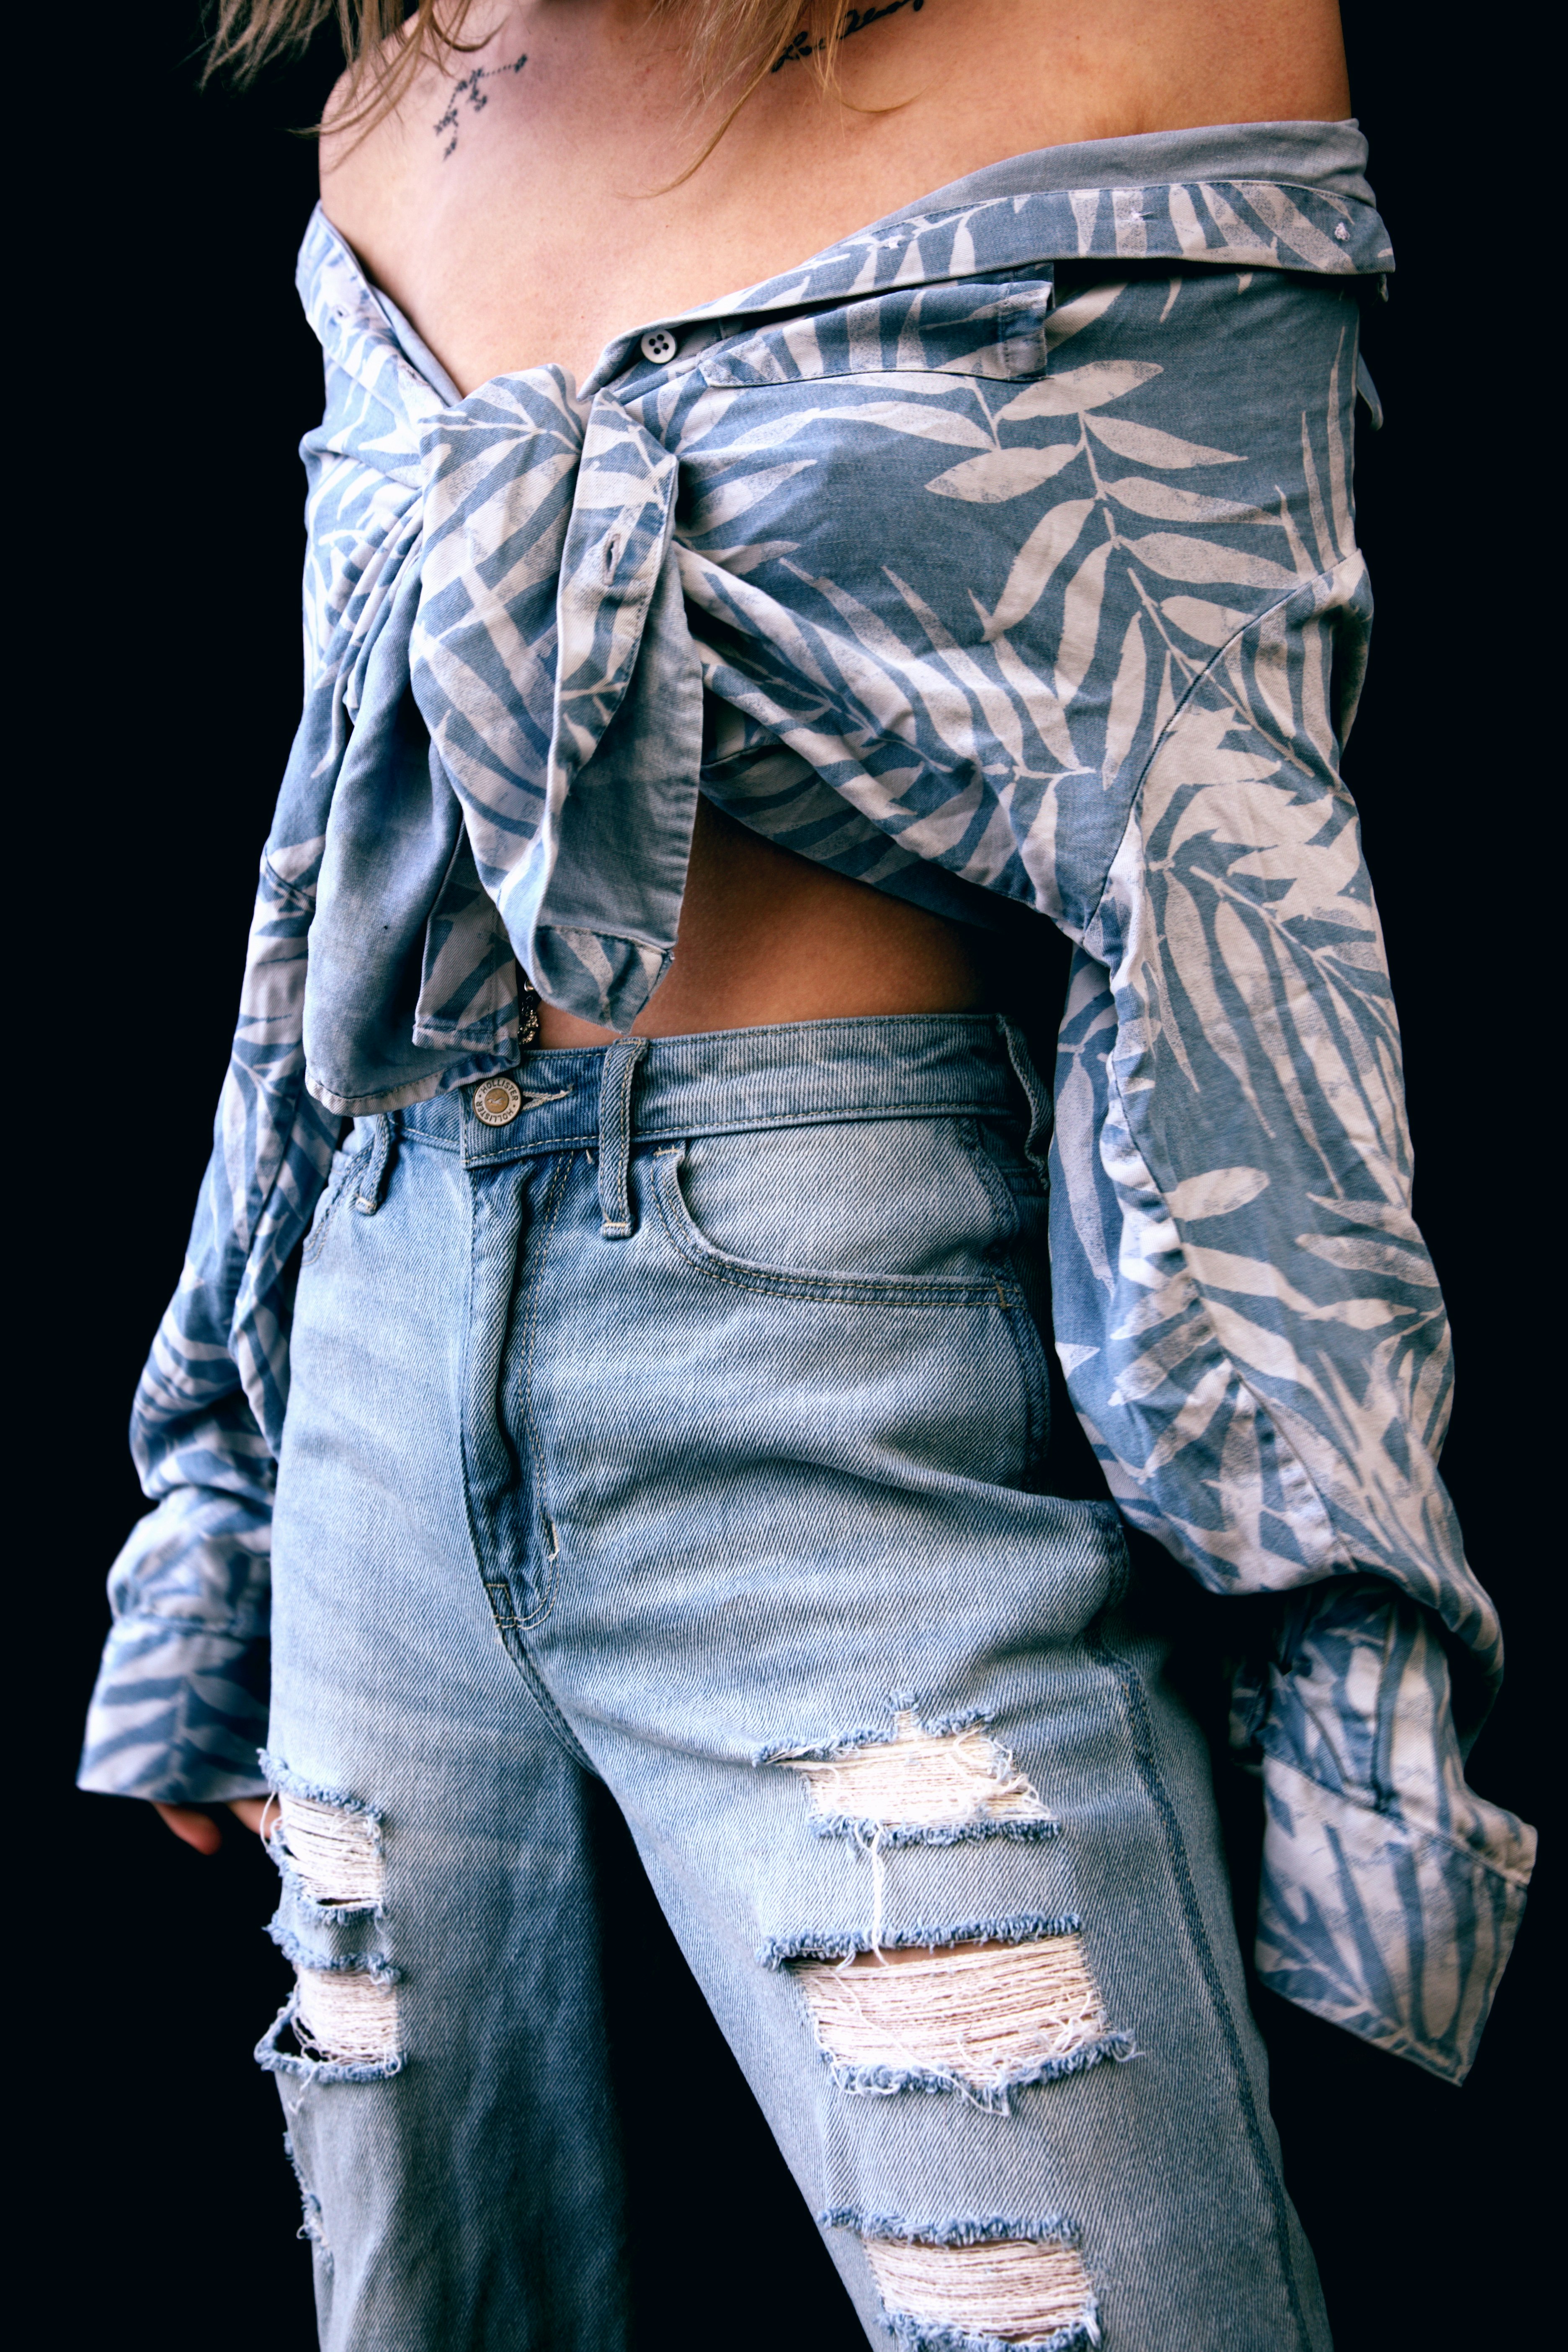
x=1004 y=548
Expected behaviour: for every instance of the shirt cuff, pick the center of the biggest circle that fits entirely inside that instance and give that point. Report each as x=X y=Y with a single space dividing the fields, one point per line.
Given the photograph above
x=178 y=1714
x=1397 y=1933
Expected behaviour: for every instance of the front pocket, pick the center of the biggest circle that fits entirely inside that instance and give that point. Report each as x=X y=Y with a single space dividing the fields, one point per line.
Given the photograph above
x=340 y=1175
x=889 y=1380
x=787 y=1282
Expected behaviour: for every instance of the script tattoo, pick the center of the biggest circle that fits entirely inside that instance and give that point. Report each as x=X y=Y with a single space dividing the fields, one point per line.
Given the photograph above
x=802 y=46
x=468 y=87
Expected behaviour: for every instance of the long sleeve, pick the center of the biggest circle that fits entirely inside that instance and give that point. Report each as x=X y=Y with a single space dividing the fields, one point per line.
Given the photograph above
x=180 y=1706
x=1253 y=1334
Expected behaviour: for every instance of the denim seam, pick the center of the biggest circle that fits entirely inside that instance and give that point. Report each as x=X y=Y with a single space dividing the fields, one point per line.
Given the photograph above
x=315 y=1241
x=618 y=1138
x=511 y=1633
x=419 y=1139
x=376 y=1169
x=510 y=1637
x=657 y=1131
x=1033 y=1369
x=555 y=1722
x=1144 y=1750
x=827 y=1289
x=540 y=1517
x=1037 y=1102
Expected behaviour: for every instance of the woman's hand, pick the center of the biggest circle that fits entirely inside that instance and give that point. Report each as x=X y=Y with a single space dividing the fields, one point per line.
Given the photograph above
x=195 y=1826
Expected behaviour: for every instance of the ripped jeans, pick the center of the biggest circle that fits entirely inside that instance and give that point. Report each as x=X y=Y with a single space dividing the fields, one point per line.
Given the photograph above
x=675 y=1414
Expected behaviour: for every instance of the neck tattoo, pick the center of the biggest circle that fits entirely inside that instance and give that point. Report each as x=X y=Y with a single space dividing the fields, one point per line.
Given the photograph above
x=469 y=89
x=804 y=46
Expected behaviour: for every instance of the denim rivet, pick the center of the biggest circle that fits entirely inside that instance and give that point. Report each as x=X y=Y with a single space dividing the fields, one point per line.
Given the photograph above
x=497 y=1102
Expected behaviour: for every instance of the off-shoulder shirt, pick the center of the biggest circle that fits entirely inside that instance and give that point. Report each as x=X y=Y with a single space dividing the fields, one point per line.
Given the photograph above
x=1004 y=550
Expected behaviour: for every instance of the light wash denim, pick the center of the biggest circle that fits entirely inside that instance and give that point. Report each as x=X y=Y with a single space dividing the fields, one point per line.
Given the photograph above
x=1003 y=552
x=686 y=1430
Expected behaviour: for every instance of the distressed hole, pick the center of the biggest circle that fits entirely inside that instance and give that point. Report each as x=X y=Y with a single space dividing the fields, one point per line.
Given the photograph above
x=919 y=1778
x=985 y=2015
x=345 y=2017
x=335 y=1851
x=1018 y=2289
x=312 y=2223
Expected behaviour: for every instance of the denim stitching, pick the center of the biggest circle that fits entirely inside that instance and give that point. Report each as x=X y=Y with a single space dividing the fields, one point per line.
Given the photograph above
x=1032 y=1368
x=1148 y=1771
x=503 y=1152
x=511 y=1632
x=315 y=1240
x=535 y=1446
x=849 y=1290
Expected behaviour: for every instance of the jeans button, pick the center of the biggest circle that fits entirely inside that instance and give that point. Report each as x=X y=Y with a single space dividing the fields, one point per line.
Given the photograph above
x=497 y=1102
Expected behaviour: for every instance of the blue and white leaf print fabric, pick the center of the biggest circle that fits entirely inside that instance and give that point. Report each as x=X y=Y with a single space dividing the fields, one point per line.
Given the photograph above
x=1005 y=547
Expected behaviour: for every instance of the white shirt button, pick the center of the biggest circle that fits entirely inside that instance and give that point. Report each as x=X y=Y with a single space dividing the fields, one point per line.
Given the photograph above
x=658 y=345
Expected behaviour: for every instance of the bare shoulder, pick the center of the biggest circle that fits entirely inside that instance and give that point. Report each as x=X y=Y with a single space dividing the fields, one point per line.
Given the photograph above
x=373 y=164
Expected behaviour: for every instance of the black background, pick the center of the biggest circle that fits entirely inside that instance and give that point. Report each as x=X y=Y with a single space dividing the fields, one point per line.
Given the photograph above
x=164 y=376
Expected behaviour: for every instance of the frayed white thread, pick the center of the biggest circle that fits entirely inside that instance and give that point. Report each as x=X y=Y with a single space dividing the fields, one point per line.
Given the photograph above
x=1021 y=2289
x=345 y=2017
x=335 y=1851
x=873 y=1846
x=920 y=1780
x=984 y=2014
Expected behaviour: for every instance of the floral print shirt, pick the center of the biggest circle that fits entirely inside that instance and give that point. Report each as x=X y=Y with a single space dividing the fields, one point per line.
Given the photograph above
x=1005 y=548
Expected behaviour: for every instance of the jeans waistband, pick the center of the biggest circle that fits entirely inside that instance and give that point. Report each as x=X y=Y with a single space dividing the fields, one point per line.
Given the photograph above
x=806 y=1073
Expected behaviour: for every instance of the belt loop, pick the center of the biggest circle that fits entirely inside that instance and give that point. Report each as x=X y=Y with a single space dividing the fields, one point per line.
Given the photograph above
x=372 y=1179
x=621 y=1060
x=1040 y=1115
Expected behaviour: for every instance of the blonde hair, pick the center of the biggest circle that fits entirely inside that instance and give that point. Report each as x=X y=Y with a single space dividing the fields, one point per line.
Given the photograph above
x=732 y=45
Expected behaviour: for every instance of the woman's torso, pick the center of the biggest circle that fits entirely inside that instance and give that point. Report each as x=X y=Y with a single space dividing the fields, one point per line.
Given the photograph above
x=521 y=213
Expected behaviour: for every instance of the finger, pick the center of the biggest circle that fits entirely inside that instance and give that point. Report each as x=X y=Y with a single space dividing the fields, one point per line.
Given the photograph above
x=191 y=1826
x=252 y=1811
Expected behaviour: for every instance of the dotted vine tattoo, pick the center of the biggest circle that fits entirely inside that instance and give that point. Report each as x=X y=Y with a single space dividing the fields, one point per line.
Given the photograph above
x=804 y=46
x=468 y=87
x=469 y=90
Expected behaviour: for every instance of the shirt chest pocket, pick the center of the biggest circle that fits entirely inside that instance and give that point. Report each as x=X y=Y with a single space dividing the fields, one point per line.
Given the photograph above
x=973 y=327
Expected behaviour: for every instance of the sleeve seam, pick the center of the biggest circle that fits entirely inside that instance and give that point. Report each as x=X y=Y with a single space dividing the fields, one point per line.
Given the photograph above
x=1254 y=620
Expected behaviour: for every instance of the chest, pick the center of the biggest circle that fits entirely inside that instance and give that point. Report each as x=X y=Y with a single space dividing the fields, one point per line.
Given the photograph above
x=543 y=200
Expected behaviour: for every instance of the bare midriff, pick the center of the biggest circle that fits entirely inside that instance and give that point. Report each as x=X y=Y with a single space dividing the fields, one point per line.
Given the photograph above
x=537 y=225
